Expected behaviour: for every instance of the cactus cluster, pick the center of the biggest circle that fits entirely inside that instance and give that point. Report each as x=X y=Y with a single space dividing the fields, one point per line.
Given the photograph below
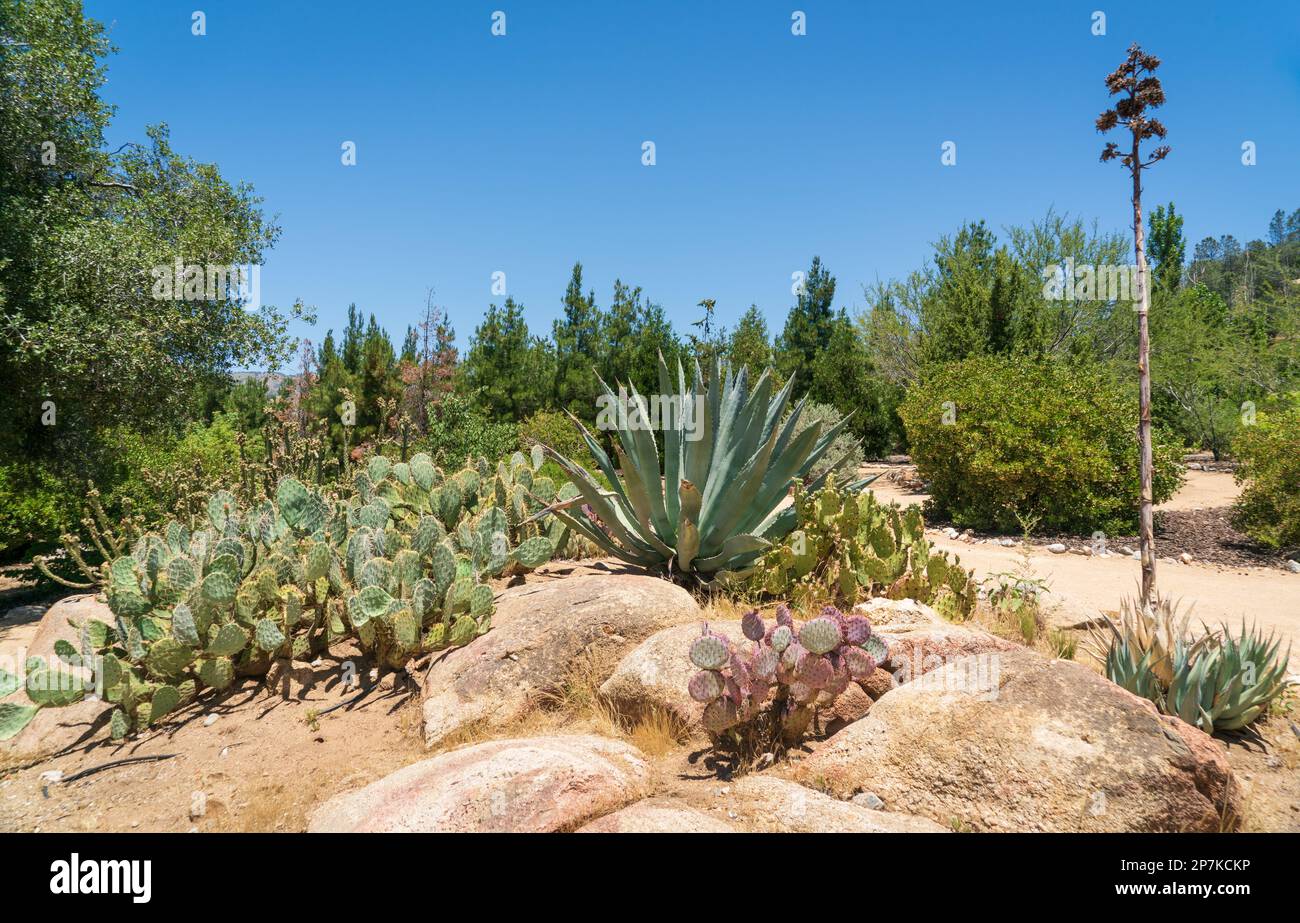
x=848 y=545
x=401 y=565
x=491 y=520
x=194 y=608
x=793 y=669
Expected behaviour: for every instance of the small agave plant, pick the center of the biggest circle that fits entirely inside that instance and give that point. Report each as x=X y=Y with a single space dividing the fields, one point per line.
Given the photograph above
x=714 y=506
x=793 y=669
x=1216 y=682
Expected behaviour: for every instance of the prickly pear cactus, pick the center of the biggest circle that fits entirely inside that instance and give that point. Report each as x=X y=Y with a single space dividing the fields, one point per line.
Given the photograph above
x=401 y=565
x=789 y=671
x=848 y=546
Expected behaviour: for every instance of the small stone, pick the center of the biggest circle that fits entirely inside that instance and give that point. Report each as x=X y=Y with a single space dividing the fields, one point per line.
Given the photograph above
x=52 y=775
x=1056 y=548
x=1293 y=566
x=210 y=720
x=1007 y=542
x=869 y=800
x=1185 y=558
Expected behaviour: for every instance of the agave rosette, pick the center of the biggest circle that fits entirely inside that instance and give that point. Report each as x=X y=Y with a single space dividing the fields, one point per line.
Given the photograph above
x=1217 y=681
x=715 y=504
x=1229 y=683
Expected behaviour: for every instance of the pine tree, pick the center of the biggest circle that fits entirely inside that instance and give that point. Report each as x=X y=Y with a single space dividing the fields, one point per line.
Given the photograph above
x=1166 y=248
x=507 y=370
x=748 y=344
x=808 y=327
x=578 y=348
x=353 y=337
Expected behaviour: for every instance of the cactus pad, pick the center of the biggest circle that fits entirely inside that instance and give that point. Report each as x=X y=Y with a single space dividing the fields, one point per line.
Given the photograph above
x=821 y=635
x=709 y=653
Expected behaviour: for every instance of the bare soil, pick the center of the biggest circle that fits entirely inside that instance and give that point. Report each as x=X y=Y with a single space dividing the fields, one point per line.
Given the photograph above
x=1197 y=520
x=262 y=765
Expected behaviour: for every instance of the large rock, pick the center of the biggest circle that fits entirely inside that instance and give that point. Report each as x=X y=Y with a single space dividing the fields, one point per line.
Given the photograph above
x=658 y=815
x=771 y=805
x=850 y=705
x=530 y=785
x=53 y=730
x=654 y=675
x=878 y=683
x=540 y=632
x=920 y=640
x=1018 y=742
x=923 y=650
x=898 y=614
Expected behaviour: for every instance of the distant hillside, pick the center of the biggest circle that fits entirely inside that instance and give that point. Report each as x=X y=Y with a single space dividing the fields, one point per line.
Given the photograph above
x=274 y=380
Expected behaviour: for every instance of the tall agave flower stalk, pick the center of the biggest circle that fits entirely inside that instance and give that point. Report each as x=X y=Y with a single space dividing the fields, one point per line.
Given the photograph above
x=715 y=504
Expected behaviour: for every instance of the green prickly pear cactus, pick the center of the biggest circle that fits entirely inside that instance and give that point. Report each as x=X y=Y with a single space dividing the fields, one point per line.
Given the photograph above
x=848 y=545
x=400 y=564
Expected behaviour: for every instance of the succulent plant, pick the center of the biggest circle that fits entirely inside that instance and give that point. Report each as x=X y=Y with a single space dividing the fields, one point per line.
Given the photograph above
x=848 y=545
x=728 y=462
x=1217 y=682
x=400 y=565
x=497 y=517
x=785 y=678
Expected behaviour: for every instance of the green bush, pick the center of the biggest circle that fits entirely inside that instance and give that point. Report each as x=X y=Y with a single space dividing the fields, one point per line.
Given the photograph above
x=159 y=473
x=1269 y=507
x=35 y=508
x=845 y=454
x=1004 y=438
x=555 y=430
x=459 y=429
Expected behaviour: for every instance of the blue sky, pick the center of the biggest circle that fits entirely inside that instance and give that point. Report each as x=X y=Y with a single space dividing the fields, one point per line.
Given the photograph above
x=522 y=153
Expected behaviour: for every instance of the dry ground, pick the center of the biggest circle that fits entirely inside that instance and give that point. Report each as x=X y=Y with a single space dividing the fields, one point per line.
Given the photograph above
x=262 y=765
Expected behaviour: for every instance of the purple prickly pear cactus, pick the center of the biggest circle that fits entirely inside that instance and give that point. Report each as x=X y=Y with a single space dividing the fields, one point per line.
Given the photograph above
x=793 y=669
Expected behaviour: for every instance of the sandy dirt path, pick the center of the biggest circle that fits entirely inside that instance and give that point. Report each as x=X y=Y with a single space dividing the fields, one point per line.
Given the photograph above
x=1083 y=586
x=1086 y=585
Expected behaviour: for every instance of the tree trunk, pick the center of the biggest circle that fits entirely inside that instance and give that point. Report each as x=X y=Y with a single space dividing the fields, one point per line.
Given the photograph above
x=1146 y=523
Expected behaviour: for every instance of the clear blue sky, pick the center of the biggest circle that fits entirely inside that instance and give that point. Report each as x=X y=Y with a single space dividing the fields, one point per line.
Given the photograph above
x=522 y=153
